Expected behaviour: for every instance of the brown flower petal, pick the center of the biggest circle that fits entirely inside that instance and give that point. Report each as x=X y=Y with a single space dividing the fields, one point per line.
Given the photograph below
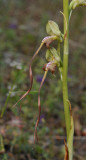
x=50 y=66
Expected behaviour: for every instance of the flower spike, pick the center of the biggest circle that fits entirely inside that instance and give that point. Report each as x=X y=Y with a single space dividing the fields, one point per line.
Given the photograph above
x=47 y=40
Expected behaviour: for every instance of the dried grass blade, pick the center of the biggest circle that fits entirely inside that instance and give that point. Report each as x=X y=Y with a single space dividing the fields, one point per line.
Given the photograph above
x=31 y=75
x=39 y=107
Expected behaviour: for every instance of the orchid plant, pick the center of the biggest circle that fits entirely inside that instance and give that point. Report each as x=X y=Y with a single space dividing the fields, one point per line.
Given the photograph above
x=54 y=60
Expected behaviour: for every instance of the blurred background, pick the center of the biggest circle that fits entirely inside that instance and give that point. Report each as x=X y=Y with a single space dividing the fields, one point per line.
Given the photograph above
x=22 y=28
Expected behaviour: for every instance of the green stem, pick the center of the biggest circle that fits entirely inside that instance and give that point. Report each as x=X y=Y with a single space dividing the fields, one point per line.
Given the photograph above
x=2 y=150
x=65 y=66
x=5 y=105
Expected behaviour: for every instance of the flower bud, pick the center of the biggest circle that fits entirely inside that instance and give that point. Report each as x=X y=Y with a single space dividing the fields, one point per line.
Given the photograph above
x=52 y=28
x=49 y=55
x=76 y=3
x=52 y=54
x=55 y=54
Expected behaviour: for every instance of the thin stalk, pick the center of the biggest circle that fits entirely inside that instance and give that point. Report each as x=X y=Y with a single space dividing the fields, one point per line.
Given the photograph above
x=65 y=66
x=6 y=102
x=5 y=105
x=58 y=48
x=2 y=150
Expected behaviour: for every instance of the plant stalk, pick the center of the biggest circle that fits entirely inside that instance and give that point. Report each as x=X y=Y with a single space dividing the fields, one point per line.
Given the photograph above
x=65 y=67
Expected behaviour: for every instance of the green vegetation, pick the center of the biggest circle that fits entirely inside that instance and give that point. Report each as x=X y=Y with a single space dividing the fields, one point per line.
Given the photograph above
x=22 y=28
